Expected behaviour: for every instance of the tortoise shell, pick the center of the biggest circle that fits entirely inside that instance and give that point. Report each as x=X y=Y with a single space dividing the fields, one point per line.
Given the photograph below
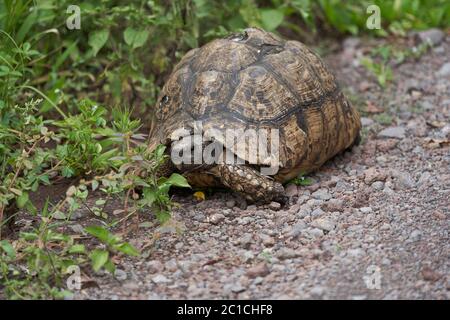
x=255 y=80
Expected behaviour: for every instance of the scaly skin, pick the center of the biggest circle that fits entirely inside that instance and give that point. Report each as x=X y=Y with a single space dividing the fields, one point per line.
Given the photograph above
x=242 y=179
x=247 y=181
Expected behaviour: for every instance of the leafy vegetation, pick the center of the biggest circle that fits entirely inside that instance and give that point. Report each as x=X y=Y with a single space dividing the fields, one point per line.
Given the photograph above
x=70 y=99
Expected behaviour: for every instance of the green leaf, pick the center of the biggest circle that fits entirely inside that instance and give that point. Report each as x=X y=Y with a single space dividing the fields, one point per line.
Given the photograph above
x=22 y=200
x=29 y=21
x=149 y=196
x=97 y=39
x=163 y=216
x=77 y=248
x=109 y=265
x=99 y=258
x=178 y=180
x=127 y=249
x=8 y=249
x=135 y=38
x=271 y=18
x=102 y=234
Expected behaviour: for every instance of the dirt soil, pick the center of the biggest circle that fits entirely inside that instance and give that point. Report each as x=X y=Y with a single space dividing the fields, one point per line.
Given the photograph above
x=373 y=225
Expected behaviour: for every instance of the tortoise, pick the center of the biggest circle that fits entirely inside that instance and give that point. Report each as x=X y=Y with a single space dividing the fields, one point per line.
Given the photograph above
x=254 y=80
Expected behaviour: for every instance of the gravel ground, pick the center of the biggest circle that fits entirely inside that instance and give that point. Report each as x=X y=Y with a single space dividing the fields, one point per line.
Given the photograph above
x=373 y=225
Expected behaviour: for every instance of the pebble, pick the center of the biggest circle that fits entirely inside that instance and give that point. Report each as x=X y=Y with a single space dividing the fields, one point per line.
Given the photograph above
x=171 y=265
x=416 y=235
x=444 y=71
x=317 y=212
x=154 y=266
x=267 y=240
x=247 y=256
x=378 y=185
x=291 y=190
x=372 y=174
x=120 y=275
x=160 y=279
x=297 y=229
x=236 y=288
x=77 y=228
x=230 y=203
x=324 y=224
x=432 y=36
x=403 y=180
x=315 y=232
x=366 y=122
x=275 y=206
x=317 y=292
x=365 y=210
x=259 y=270
x=392 y=132
x=334 y=205
x=322 y=194
x=246 y=240
x=216 y=218
x=286 y=253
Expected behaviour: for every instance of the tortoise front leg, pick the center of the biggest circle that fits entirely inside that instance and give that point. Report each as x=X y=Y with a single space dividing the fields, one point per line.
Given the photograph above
x=250 y=183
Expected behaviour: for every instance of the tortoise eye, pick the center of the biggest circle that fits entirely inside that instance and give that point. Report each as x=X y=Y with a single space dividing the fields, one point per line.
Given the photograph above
x=239 y=37
x=164 y=100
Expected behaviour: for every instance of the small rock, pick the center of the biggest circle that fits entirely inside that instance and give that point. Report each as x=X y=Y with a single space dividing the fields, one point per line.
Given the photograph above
x=416 y=235
x=432 y=36
x=403 y=180
x=365 y=210
x=247 y=256
x=77 y=215
x=230 y=203
x=444 y=70
x=296 y=229
x=160 y=279
x=334 y=205
x=286 y=253
x=260 y=270
x=354 y=252
x=313 y=187
x=365 y=122
x=429 y=274
x=246 y=240
x=324 y=224
x=275 y=206
x=291 y=190
x=372 y=174
x=364 y=86
x=267 y=240
x=216 y=218
x=351 y=42
x=317 y=212
x=171 y=265
x=317 y=292
x=315 y=232
x=392 y=132
x=378 y=185
x=237 y=288
x=385 y=146
x=77 y=228
x=120 y=275
x=322 y=194
x=154 y=266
